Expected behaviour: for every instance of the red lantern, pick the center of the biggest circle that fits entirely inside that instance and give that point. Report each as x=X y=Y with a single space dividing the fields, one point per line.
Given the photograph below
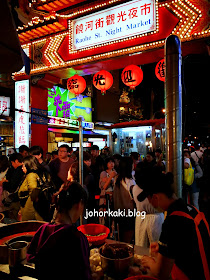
x=160 y=70
x=76 y=84
x=103 y=80
x=132 y=76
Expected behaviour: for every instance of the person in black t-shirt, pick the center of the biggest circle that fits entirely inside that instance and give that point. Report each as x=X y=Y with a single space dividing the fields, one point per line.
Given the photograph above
x=97 y=164
x=14 y=176
x=183 y=249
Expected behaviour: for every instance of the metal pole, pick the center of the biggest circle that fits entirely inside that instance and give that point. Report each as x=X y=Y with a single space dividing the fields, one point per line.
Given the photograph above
x=80 y=158
x=110 y=142
x=153 y=139
x=173 y=105
x=80 y=151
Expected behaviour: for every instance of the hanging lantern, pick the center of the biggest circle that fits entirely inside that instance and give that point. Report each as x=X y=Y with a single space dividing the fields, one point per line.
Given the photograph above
x=160 y=70
x=132 y=76
x=76 y=84
x=103 y=80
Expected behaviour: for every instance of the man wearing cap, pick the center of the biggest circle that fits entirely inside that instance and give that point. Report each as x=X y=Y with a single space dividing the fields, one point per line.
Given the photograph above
x=183 y=249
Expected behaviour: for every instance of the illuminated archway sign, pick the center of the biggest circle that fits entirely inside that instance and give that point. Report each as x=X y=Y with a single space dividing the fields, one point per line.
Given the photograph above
x=76 y=84
x=160 y=70
x=132 y=76
x=103 y=80
x=122 y=21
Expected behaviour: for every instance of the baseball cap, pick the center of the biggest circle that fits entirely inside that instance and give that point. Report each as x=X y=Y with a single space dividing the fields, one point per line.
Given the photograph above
x=158 y=183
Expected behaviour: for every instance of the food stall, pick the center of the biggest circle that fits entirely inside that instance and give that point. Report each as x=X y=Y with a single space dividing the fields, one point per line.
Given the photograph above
x=109 y=259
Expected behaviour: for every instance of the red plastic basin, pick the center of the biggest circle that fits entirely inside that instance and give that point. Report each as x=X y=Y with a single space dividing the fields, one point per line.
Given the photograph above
x=95 y=229
x=141 y=277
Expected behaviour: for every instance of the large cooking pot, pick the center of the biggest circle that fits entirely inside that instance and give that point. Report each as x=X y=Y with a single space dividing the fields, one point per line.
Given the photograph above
x=17 y=253
x=117 y=268
x=21 y=231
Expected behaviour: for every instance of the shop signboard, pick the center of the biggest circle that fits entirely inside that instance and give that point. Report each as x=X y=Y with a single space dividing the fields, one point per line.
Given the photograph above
x=21 y=113
x=64 y=104
x=122 y=21
x=4 y=106
x=39 y=116
x=69 y=123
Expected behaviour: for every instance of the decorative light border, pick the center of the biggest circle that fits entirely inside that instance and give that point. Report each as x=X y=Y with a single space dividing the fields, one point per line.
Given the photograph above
x=51 y=51
x=183 y=29
x=88 y=9
x=35 y=21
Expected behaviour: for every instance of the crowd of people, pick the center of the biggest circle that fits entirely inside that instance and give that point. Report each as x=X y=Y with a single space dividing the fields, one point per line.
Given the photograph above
x=115 y=183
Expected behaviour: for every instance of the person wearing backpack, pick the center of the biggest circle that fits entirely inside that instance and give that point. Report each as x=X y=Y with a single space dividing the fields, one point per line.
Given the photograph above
x=197 y=155
x=35 y=176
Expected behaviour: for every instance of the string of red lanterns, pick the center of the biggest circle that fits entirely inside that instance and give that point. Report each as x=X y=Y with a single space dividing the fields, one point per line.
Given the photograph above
x=131 y=76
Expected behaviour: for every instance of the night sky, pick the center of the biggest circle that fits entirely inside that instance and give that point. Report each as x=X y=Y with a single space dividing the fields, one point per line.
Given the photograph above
x=195 y=93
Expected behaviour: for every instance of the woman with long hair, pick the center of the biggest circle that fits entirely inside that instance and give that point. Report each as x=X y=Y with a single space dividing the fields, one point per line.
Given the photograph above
x=106 y=184
x=123 y=199
x=35 y=175
x=58 y=249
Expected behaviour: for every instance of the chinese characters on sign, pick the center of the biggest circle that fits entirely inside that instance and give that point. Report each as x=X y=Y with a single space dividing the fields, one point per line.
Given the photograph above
x=4 y=105
x=160 y=70
x=39 y=116
x=69 y=123
x=64 y=104
x=125 y=20
x=76 y=84
x=21 y=118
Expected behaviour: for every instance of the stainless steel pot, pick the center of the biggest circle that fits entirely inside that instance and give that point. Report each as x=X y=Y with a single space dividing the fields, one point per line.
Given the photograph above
x=117 y=268
x=17 y=253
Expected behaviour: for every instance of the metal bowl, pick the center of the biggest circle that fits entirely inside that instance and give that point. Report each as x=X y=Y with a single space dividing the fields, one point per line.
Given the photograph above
x=117 y=268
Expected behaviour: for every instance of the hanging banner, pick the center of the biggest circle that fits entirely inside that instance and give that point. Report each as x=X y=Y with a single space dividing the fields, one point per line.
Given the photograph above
x=122 y=21
x=21 y=118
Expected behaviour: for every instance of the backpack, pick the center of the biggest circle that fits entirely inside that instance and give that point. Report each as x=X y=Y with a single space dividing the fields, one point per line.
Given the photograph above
x=123 y=198
x=199 y=159
x=189 y=175
x=42 y=198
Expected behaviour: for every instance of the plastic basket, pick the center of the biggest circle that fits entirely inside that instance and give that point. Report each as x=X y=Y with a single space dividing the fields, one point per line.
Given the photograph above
x=95 y=229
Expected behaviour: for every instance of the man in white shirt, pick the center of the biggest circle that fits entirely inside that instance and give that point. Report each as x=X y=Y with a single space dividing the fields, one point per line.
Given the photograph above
x=197 y=154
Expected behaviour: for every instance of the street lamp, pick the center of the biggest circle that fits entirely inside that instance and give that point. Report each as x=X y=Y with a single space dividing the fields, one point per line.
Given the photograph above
x=161 y=112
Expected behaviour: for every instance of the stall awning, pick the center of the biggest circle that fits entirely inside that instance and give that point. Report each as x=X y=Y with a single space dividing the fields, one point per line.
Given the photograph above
x=155 y=122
